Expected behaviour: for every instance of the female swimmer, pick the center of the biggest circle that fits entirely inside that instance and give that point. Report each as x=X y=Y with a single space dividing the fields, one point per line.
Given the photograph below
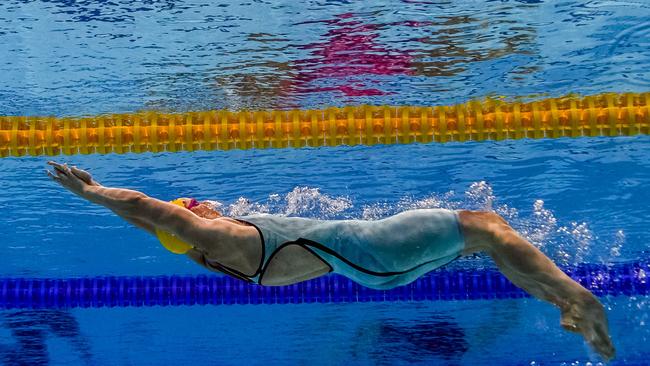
x=274 y=250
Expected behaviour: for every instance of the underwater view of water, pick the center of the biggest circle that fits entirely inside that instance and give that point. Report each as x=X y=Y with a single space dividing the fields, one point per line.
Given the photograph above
x=578 y=200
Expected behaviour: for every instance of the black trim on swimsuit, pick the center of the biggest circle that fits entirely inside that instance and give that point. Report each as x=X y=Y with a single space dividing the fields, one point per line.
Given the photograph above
x=235 y=273
x=307 y=242
x=259 y=267
x=299 y=243
x=228 y=271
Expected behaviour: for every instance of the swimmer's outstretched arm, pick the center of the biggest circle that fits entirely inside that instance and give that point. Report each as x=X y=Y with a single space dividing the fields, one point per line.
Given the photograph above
x=221 y=238
x=527 y=267
x=116 y=199
x=87 y=178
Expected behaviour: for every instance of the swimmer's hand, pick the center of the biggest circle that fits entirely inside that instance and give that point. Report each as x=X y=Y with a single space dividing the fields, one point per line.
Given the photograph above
x=71 y=178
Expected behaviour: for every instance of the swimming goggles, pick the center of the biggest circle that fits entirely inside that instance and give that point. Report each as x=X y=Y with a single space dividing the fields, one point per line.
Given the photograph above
x=193 y=203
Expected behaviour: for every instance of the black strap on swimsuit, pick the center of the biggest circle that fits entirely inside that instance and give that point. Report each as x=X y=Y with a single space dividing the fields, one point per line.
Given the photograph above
x=307 y=245
x=303 y=243
x=261 y=269
x=233 y=272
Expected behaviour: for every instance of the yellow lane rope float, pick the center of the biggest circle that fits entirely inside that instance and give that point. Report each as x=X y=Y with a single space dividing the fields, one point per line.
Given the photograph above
x=600 y=115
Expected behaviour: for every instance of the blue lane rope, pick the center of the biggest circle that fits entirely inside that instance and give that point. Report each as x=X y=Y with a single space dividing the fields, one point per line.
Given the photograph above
x=465 y=284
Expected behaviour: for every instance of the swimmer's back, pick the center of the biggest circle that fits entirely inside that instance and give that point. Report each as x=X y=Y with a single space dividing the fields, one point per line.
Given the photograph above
x=377 y=253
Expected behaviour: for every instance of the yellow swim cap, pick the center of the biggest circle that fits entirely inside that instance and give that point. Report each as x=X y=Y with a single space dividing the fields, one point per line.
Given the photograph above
x=170 y=241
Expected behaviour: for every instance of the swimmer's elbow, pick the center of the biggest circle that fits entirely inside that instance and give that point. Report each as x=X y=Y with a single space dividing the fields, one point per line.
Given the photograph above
x=135 y=198
x=139 y=196
x=132 y=201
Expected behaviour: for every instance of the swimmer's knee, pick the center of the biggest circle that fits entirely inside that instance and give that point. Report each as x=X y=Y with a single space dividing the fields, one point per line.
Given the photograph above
x=481 y=229
x=482 y=220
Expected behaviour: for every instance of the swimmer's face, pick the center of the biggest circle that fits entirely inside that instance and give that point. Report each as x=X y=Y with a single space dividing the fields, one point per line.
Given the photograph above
x=201 y=209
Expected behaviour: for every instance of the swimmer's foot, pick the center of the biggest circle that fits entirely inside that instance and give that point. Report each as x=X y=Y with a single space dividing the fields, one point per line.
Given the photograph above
x=586 y=316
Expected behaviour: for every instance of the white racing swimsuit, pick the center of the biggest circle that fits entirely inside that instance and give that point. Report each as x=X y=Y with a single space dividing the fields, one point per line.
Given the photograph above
x=379 y=254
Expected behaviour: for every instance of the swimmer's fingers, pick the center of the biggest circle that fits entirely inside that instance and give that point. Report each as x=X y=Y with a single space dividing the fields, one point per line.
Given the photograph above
x=54 y=177
x=59 y=178
x=55 y=164
x=73 y=172
x=83 y=175
x=60 y=168
x=64 y=176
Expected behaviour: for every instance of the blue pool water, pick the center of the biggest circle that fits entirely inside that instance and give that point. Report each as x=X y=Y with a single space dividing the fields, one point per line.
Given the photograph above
x=580 y=201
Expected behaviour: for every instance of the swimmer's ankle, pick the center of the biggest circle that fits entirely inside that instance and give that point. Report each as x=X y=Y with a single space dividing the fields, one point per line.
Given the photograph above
x=582 y=300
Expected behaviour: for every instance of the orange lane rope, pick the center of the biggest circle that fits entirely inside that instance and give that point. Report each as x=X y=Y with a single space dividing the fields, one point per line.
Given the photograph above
x=601 y=115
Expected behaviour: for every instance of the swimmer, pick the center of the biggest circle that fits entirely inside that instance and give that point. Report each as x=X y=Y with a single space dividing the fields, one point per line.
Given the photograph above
x=273 y=250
